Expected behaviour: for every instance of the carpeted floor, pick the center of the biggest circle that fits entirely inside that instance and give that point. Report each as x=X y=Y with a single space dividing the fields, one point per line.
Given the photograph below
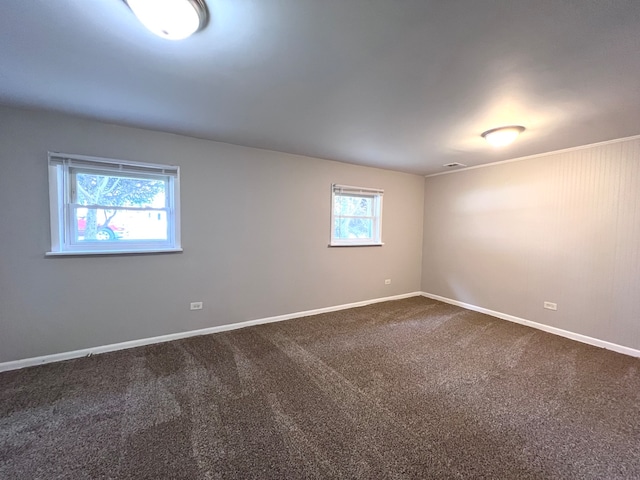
x=407 y=389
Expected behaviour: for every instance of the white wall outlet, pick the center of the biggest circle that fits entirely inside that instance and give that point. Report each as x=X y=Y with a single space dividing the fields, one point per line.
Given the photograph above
x=195 y=306
x=550 y=306
x=387 y=281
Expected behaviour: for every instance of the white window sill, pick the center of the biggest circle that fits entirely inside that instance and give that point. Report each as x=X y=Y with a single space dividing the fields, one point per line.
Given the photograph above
x=356 y=244
x=83 y=253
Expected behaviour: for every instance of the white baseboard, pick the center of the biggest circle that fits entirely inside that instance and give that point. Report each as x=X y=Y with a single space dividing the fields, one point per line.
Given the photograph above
x=540 y=326
x=58 y=357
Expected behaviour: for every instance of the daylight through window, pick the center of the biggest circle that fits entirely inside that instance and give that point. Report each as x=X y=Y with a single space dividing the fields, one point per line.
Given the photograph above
x=356 y=216
x=111 y=206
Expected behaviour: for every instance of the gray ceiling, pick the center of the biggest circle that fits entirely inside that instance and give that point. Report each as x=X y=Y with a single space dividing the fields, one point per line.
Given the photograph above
x=401 y=84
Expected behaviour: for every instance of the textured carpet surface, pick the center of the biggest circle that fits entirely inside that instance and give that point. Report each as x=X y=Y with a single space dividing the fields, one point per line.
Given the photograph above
x=405 y=389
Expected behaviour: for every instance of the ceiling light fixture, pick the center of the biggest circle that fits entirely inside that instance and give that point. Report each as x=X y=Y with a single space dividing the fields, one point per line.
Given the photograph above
x=171 y=19
x=503 y=136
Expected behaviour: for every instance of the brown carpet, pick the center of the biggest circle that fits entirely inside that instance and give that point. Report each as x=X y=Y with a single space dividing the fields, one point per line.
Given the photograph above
x=407 y=389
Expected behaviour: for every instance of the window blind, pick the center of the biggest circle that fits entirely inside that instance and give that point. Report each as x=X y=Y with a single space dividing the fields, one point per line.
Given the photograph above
x=79 y=161
x=351 y=190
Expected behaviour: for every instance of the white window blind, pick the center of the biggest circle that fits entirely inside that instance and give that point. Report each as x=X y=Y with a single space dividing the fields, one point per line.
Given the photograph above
x=350 y=190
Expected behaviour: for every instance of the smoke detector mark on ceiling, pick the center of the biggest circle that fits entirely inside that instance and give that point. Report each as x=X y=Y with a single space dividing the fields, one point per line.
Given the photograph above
x=454 y=165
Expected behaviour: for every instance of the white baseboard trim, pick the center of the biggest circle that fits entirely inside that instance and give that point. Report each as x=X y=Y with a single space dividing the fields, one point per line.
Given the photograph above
x=58 y=357
x=540 y=326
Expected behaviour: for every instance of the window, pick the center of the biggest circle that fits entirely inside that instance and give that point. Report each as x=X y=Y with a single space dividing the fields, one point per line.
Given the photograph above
x=101 y=206
x=356 y=216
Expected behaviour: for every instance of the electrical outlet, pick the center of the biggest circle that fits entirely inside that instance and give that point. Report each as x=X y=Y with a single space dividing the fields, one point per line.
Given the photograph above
x=550 y=306
x=387 y=281
x=195 y=306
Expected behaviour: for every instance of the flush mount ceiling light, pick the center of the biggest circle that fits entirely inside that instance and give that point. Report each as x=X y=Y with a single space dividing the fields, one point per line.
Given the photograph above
x=503 y=136
x=171 y=19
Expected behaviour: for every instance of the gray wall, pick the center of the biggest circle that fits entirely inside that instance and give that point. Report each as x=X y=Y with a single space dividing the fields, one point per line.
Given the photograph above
x=563 y=228
x=255 y=229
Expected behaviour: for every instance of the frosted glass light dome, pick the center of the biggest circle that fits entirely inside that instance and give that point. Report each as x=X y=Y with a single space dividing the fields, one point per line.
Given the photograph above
x=503 y=136
x=171 y=19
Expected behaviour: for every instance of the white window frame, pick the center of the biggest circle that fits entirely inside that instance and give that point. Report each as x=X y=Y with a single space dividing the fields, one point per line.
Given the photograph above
x=61 y=204
x=347 y=190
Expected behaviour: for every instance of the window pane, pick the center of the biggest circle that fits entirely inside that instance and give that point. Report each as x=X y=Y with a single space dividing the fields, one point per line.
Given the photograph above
x=346 y=228
x=96 y=224
x=120 y=191
x=102 y=206
x=353 y=205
